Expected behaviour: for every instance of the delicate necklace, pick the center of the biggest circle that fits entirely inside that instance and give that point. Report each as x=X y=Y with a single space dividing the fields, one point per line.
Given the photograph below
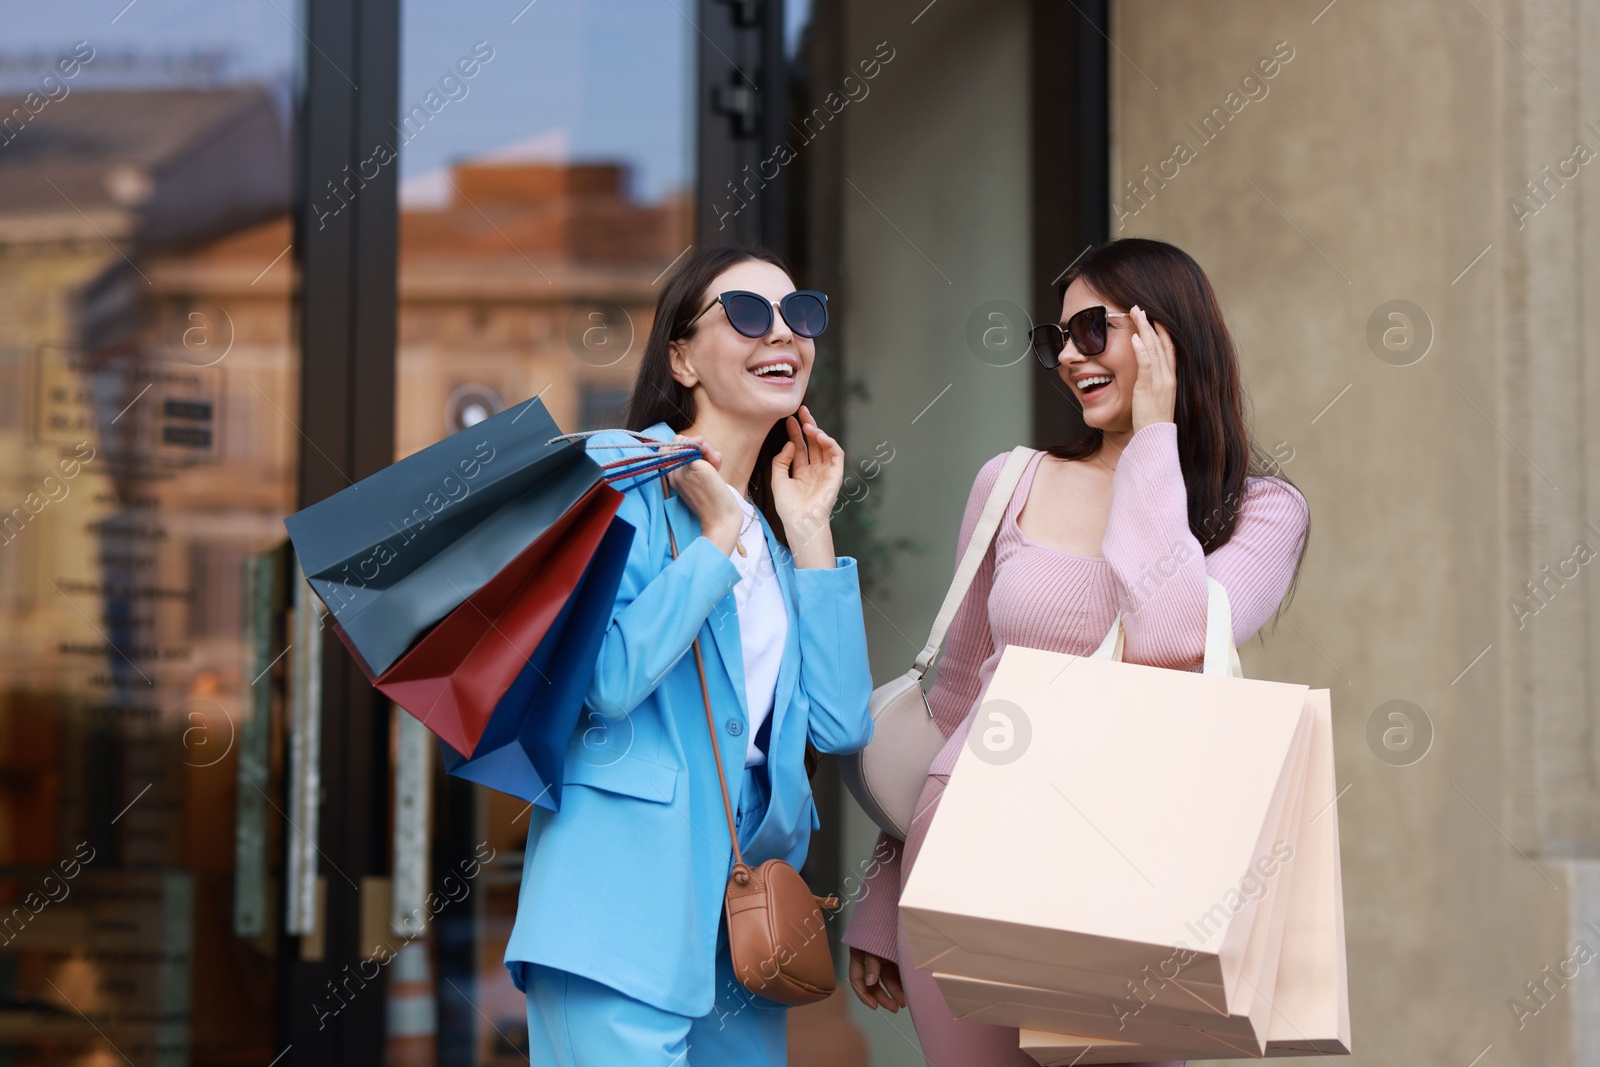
x=739 y=541
x=1106 y=465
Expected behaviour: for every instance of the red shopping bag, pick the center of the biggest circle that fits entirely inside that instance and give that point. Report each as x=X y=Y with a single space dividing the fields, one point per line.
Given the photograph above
x=456 y=673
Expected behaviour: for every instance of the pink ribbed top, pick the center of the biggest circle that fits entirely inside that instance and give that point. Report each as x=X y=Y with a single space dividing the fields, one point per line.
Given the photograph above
x=1153 y=570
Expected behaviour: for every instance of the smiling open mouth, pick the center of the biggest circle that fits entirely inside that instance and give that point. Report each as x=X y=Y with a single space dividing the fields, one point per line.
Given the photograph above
x=781 y=372
x=1089 y=386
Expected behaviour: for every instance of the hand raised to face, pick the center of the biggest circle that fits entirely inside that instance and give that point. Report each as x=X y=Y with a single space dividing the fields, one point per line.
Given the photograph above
x=806 y=474
x=1155 y=393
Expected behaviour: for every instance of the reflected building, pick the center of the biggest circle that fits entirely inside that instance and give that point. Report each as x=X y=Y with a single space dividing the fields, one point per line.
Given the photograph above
x=120 y=684
x=148 y=395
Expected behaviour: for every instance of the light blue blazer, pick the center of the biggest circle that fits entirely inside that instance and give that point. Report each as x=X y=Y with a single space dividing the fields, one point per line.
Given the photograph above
x=625 y=883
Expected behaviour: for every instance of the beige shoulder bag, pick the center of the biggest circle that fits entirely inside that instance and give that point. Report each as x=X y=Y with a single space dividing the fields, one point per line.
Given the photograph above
x=886 y=777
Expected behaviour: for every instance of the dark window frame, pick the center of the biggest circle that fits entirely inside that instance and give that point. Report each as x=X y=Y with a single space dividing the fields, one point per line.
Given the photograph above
x=1070 y=130
x=346 y=100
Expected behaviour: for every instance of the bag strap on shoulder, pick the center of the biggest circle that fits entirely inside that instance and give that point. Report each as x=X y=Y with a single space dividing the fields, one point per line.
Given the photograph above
x=711 y=724
x=994 y=508
x=741 y=871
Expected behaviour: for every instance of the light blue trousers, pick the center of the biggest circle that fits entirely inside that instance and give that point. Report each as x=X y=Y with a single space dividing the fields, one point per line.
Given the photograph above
x=575 y=1021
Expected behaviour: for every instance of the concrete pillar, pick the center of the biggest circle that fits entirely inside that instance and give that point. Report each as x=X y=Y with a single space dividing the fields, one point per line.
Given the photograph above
x=1383 y=162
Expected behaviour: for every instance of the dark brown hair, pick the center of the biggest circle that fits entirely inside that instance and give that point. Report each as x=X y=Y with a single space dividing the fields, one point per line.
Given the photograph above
x=659 y=397
x=1215 y=451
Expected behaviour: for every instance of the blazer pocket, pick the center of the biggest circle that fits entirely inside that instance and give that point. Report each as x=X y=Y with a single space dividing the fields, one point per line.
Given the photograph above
x=633 y=775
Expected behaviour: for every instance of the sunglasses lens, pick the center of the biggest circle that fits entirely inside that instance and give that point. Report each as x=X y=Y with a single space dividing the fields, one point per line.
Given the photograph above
x=1048 y=340
x=805 y=312
x=1088 y=330
x=750 y=315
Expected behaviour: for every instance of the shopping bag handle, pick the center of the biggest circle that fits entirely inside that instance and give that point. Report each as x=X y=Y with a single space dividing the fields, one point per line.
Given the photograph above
x=669 y=455
x=639 y=438
x=1222 y=656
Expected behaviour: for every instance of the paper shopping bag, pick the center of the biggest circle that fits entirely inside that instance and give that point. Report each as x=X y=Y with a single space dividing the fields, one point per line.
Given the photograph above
x=397 y=551
x=1026 y=1007
x=457 y=672
x=1149 y=1008
x=523 y=748
x=1141 y=800
x=1311 y=1007
x=1312 y=1004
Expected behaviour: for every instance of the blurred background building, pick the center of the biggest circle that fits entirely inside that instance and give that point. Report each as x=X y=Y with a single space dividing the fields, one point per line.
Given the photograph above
x=252 y=252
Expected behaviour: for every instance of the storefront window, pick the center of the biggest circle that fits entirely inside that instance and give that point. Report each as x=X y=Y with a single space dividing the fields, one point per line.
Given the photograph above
x=149 y=397
x=147 y=386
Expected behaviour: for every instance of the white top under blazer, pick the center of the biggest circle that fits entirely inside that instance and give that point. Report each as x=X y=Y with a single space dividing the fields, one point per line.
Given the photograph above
x=763 y=624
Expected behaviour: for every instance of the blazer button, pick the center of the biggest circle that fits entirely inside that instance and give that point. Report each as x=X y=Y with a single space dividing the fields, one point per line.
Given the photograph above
x=735 y=727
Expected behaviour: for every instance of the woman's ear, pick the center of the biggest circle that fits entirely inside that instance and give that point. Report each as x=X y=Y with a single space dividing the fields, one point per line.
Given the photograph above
x=682 y=372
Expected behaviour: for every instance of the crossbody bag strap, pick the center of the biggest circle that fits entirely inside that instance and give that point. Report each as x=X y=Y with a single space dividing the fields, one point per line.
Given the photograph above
x=994 y=509
x=705 y=695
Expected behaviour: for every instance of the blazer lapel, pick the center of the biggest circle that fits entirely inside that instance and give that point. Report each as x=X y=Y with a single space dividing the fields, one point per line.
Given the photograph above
x=724 y=620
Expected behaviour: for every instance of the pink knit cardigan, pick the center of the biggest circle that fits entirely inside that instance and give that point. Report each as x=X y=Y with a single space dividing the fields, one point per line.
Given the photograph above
x=1153 y=570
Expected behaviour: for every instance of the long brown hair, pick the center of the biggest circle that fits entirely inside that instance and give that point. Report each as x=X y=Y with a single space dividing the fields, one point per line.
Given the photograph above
x=1215 y=450
x=659 y=397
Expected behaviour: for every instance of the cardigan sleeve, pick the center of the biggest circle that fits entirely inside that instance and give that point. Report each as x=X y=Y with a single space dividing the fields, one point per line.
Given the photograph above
x=967 y=644
x=1160 y=568
x=874 y=923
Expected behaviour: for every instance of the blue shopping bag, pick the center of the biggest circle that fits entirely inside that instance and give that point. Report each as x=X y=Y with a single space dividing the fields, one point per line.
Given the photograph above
x=524 y=744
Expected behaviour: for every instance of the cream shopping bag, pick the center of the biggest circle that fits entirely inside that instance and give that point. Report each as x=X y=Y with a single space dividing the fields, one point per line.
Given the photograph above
x=1148 y=1008
x=1311 y=1006
x=1132 y=801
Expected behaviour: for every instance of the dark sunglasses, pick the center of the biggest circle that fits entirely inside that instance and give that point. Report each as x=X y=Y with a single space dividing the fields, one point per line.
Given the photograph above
x=805 y=310
x=1087 y=329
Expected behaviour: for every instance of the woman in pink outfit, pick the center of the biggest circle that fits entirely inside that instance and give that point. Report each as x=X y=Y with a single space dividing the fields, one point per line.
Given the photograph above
x=1165 y=490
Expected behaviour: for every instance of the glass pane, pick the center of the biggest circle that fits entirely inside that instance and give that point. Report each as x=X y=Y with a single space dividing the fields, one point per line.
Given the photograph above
x=546 y=171
x=147 y=379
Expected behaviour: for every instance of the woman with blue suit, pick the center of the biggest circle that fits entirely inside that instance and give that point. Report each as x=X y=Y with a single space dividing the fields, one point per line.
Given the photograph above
x=620 y=943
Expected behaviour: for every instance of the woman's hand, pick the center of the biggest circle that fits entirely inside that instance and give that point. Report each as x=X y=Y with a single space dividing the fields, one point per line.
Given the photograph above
x=876 y=981
x=806 y=477
x=1155 y=393
x=706 y=494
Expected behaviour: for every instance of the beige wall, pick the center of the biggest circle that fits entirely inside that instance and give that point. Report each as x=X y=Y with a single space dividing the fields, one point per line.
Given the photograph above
x=1377 y=167
x=935 y=225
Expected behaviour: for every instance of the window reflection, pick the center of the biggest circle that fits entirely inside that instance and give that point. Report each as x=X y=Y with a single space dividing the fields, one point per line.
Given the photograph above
x=145 y=369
